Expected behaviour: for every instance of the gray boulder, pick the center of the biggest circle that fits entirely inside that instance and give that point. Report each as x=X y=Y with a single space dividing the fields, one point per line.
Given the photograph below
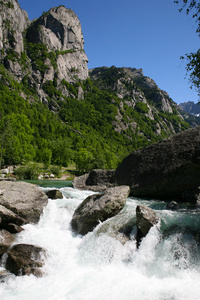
x=6 y=239
x=26 y=259
x=166 y=169
x=24 y=199
x=145 y=218
x=7 y=216
x=97 y=180
x=97 y=208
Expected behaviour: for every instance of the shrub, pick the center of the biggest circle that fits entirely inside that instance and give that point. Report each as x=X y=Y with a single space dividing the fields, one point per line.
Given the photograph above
x=30 y=171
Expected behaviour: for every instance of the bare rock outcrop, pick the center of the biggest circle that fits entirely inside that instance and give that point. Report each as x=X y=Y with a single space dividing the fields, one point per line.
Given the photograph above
x=60 y=30
x=167 y=170
x=97 y=208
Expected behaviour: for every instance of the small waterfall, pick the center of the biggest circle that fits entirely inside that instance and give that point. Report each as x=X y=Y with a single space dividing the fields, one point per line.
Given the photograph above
x=99 y=266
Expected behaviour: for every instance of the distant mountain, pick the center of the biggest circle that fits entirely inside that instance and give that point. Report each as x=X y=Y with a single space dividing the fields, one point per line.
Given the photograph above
x=191 y=107
x=52 y=110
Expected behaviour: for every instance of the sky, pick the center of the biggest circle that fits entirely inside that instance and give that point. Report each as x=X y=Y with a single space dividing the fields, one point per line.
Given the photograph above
x=147 y=34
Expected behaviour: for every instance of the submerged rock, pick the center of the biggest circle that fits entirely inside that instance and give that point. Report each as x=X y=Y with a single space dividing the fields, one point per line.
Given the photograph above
x=26 y=259
x=97 y=208
x=24 y=199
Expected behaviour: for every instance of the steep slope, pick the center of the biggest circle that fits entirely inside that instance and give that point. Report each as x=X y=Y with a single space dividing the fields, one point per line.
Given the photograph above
x=143 y=108
x=52 y=111
x=49 y=48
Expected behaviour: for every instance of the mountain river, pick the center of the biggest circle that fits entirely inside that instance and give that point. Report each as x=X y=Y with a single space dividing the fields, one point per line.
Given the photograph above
x=99 y=267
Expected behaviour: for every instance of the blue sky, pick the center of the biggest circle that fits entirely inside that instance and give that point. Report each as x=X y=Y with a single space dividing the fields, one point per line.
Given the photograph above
x=147 y=34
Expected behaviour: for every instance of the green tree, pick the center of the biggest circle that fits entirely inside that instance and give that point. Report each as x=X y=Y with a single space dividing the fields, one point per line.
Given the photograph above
x=193 y=58
x=61 y=151
x=16 y=139
x=84 y=160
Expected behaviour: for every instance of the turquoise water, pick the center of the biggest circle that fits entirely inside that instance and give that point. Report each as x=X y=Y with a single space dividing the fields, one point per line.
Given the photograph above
x=51 y=183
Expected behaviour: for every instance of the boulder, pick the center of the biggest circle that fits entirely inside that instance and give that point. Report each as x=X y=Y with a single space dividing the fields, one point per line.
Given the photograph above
x=54 y=194
x=164 y=170
x=97 y=180
x=24 y=259
x=13 y=228
x=97 y=208
x=6 y=239
x=7 y=216
x=24 y=199
x=145 y=218
x=173 y=205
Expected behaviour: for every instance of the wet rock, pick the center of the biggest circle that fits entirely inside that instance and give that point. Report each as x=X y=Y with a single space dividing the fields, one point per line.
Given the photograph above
x=98 y=208
x=6 y=239
x=13 y=228
x=24 y=259
x=145 y=219
x=173 y=205
x=119 y=227
x=24 y=199
x=54 y=194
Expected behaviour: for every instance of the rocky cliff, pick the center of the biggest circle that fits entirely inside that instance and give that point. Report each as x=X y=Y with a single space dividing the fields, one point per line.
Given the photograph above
x=139 y=94
x=190 y=107
x=48 y=48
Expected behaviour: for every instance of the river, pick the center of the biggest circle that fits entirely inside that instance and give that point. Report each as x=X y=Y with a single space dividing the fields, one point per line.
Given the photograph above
x=99 y=267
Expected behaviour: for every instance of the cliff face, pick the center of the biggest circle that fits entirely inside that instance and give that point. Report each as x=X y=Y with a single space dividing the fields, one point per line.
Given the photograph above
x=60 y=30
x=190 y=107
x=49 y=48
x=142 y=102
x=13 y=21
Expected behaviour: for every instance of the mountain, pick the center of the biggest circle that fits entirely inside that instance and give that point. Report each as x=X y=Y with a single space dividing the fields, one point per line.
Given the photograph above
x=53 y=110
x=190 y=107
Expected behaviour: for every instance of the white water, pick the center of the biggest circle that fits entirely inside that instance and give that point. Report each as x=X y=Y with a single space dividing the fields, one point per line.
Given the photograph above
x=98 y=267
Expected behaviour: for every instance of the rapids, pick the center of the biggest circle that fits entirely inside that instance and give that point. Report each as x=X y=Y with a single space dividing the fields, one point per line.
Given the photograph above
x=99 y=267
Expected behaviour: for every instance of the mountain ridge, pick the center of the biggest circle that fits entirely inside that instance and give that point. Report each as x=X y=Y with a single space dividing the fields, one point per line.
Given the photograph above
x=91 y=118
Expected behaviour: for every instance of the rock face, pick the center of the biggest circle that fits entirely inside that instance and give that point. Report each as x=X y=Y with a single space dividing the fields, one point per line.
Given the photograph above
x=96 y=180
x=54 y=48
x=13 y=21
x=98 y=207
x=167 y=169
x=25 y=259
x=60 y=30
x=24 y=200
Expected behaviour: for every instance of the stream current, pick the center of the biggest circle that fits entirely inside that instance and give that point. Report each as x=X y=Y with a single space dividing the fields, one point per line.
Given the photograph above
x=98 y=266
